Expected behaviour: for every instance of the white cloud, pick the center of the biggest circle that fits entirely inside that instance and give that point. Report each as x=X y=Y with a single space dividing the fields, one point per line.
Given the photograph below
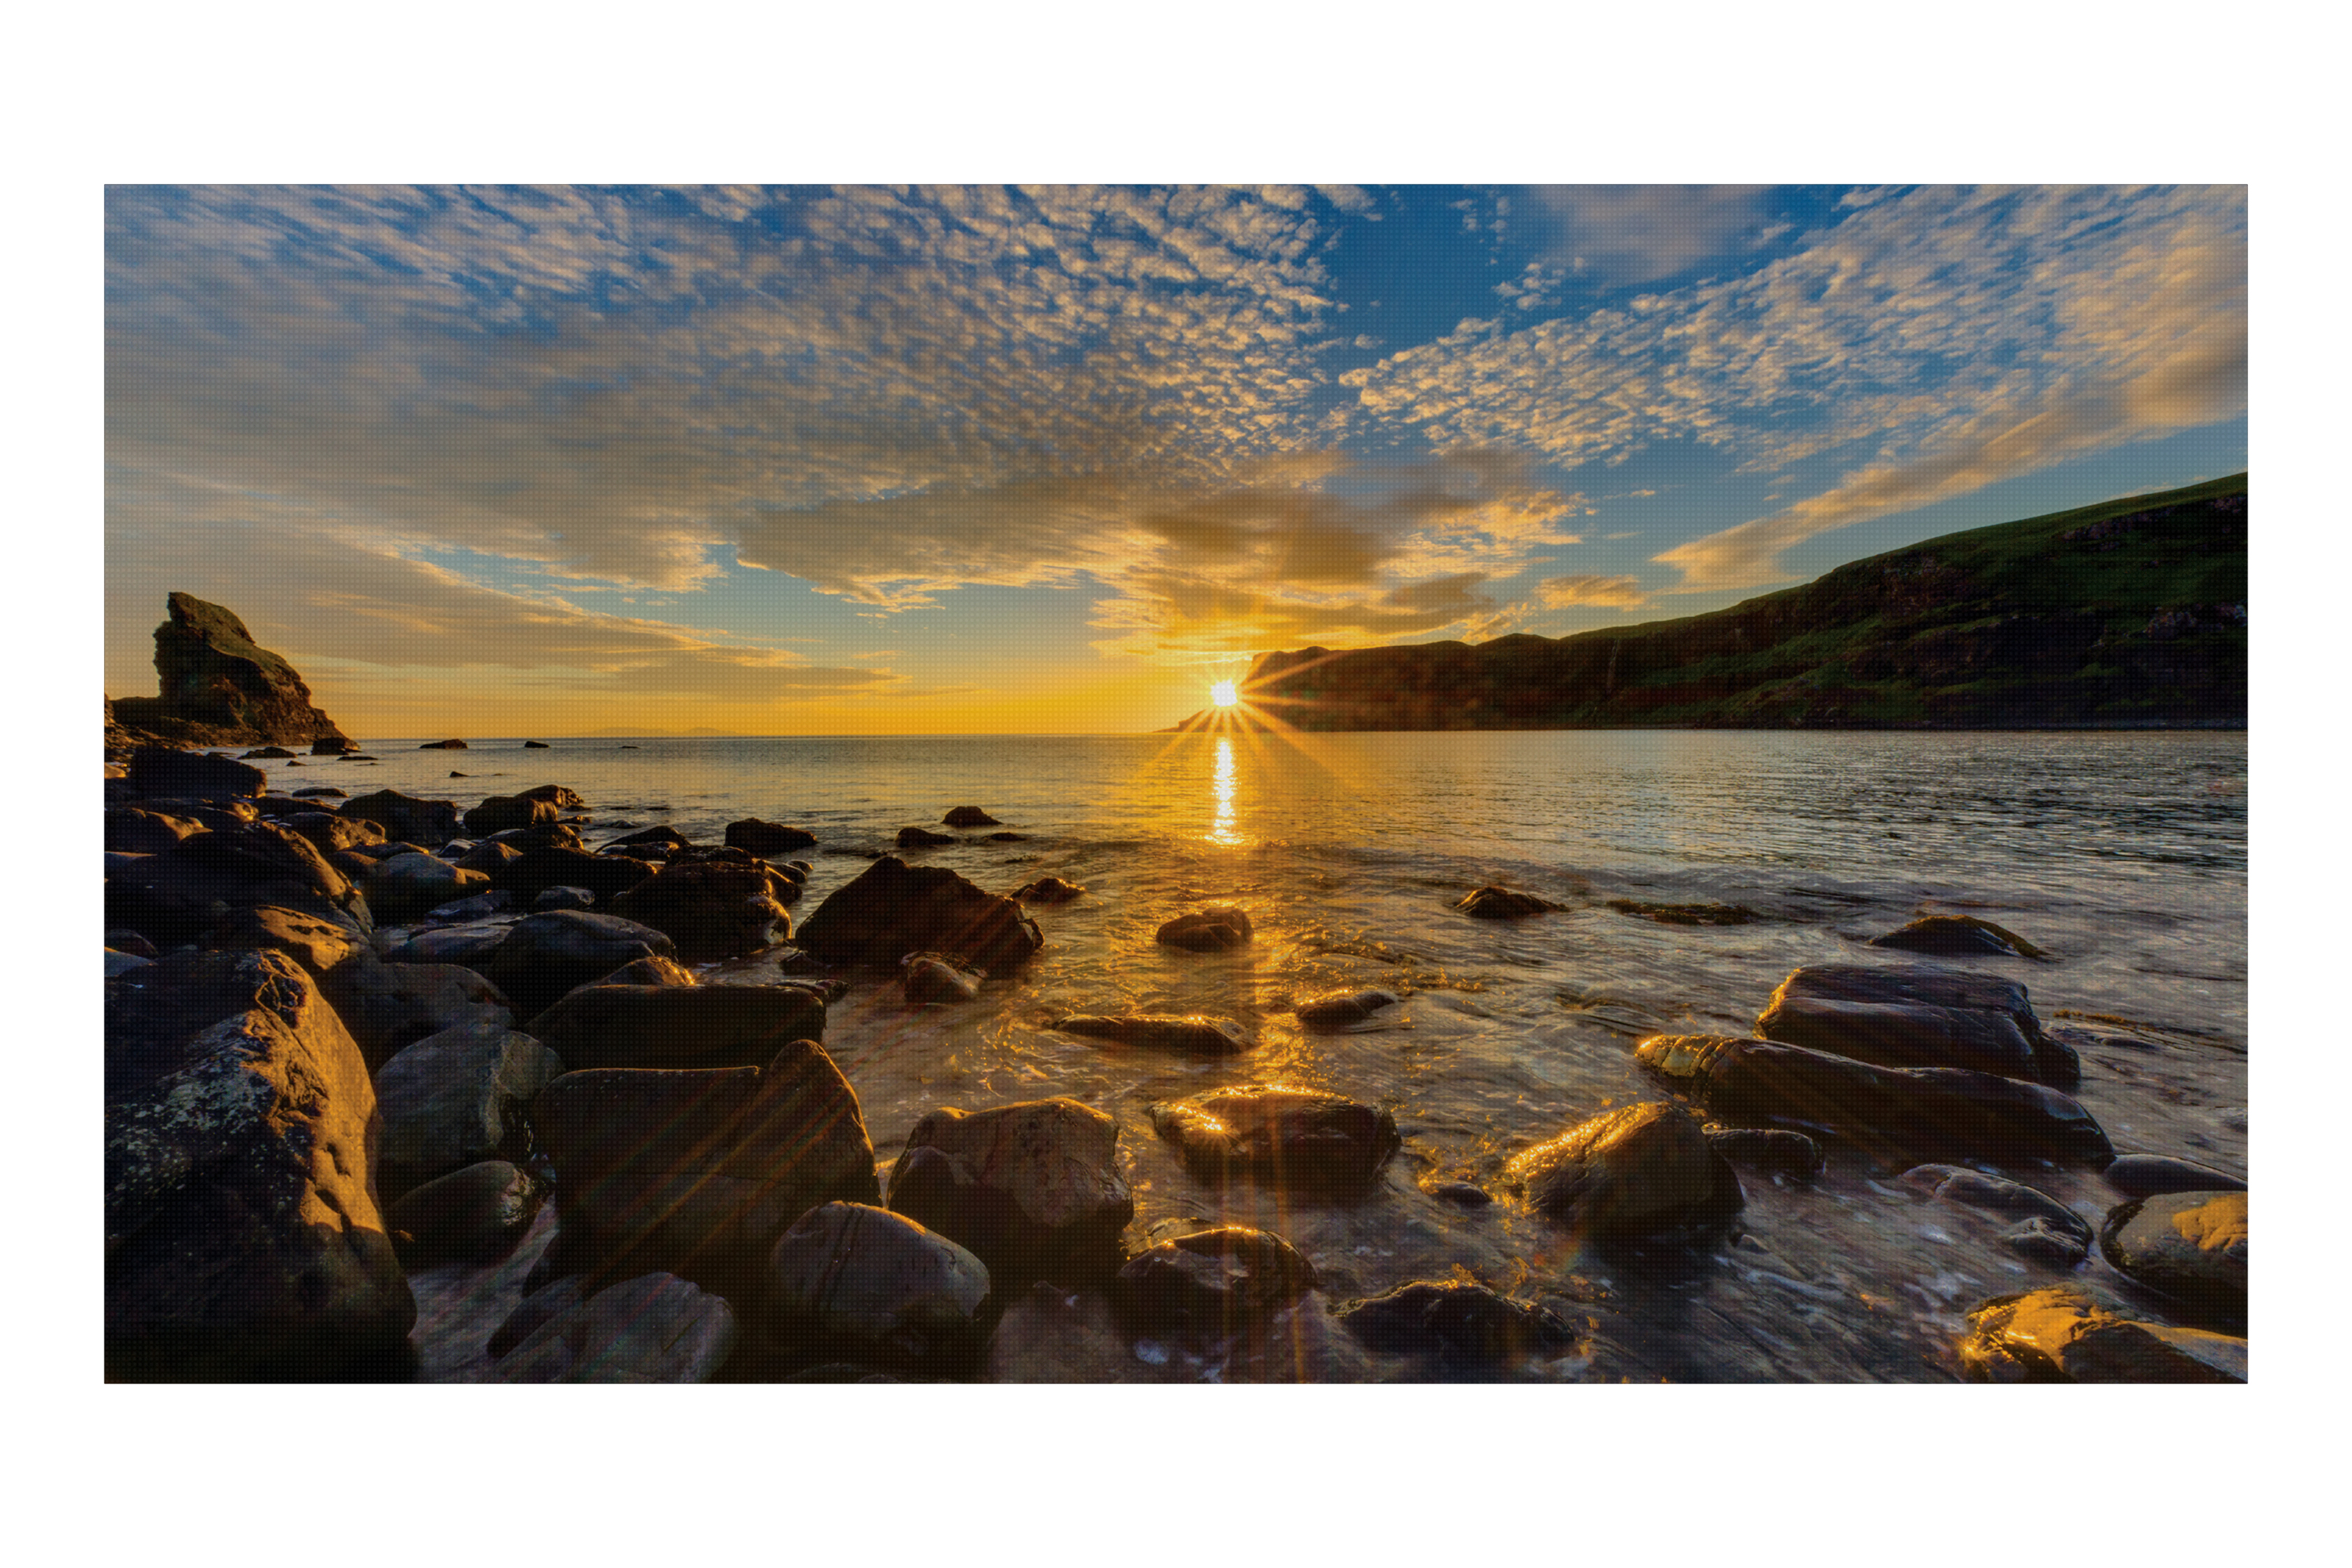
x=1616 y=593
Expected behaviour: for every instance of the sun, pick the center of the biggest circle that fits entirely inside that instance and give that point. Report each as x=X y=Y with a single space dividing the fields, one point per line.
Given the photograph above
x=1222 y=694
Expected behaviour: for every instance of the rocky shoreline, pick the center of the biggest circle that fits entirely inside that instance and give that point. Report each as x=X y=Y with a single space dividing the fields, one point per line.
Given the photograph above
x=400 y=1090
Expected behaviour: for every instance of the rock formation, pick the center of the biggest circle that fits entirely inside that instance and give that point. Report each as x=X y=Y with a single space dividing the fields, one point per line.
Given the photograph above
x=218 y=689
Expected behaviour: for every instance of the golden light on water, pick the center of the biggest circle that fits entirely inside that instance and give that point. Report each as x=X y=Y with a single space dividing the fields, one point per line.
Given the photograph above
x=1222 y=694
x=1221 y=831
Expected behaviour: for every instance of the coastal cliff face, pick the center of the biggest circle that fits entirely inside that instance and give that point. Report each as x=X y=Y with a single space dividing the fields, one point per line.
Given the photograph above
x=2131 y=614
x=218 y=689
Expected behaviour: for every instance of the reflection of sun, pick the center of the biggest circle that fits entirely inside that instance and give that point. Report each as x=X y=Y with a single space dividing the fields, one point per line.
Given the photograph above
x=1222 y=694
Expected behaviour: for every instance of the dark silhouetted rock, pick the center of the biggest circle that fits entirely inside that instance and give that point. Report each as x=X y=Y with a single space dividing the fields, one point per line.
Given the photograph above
x=609 y=1025
x=217 y=687
x=2151 y=1176
x=1459 y=1321
x=157 y=774
x=710 y=908
x=563 y=798
x=1344 y=1009
x=500 y=812
x=535 y=746
x=265 y=753
x=892 y=909
x=668 y=837
x=442 y=746
x=1212 y=1281
x=457 y=1099
x=2077 y=1333
x=132 y=830
x=178 y=893
x=402 y=887
x=545 y=955
x=1190 y=1035
x=561 y=898
x=930 y=977
x=768 y=837
x=855 y=1273
x=1302 y=1139
x=2189 y=1245
x=923 y=839
x=243 y=1238
x=1217 y=929
x=1958 y=936
x=655 y=1327
x=474 y=1216
x=332 y=746
x=969 y=817
x=406 y=816
x=1504 y=904
x=1461 y=1195
x=1032 y=1188
x=1048 y=890
x=319 y=792
x=1776 y=1151
x=543 y=865
x=1636 y=1171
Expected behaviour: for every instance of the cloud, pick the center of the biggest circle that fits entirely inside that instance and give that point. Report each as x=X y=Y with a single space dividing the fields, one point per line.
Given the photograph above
x=1615 y=592
x=1634 y=234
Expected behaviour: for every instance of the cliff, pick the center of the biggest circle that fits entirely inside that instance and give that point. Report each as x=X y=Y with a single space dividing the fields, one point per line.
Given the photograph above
x=2130 y=614
x=218 y=689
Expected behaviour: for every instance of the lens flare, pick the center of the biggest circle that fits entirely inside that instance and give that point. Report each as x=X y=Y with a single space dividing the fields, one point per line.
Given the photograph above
x=1224 y=695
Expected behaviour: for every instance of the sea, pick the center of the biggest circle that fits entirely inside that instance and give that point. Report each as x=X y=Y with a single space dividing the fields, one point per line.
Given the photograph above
x=2123 y=856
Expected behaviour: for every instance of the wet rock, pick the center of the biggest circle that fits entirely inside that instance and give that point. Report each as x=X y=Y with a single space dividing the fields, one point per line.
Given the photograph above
x=855 y=1273
x=500 y=812
x=1461 y=1195
x=332 y=746
x=665 y=835
x=389 y=1006
x=1636 y=1171
x=1008 y=839
x=1687 y=914
x=1217 y=929
x=608 y=1026
x=1212 y=1281
x=2055 y=1062
x=563 y=799
x=653 y=971
x=1050 y=1333
x=2051 y=1245
x=265 y=753
x=543 y=956
x=1032 y=1188
x=131 y=942
x=1505 y=904
x=457 y=1099
x=123 y=963
x=177 y=894
x=1958 y=936
x=969 y=817
x=405 y=816
x=489 y=857
x=768 y=837
x=1048 y=890
x=1907 y=1034
x=711 y=910
x=1343 y=1009
x=404 y=886
x=158 y=772
x=655 y=1327
x=543 y=865
x=1894 y=1113
x=923 y=837
x=476 y=1215
x=2076 y=1334
x=932 y=977
x=319 y=792
x=442 y=746
x=2189 y=1245
x=1995 y=1194
x=133 y=830
x=562 y=898
x=1191 y=1035
x=1302 y=1139
x=1776 y=1151
x=892 y=909
x=243 y=1236
x=700 y=1171
x=1458 y=1321
x=2152 y=1175
x=535 y=746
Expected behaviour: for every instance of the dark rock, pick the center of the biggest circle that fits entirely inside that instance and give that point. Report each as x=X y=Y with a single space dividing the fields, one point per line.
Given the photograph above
x=2146 y=1175
x=855 y=1273
x=2189 y=1245
x=156 y=772
x=562 y=798
x=490 y=856
x=406 y=816
x=456 y=774
x=542 y=867
x=1504 y=904
x=653 y=970
x=710 y=908
x=655 y=1328
x=265 y=753
x=1192 y=1035
x=1901 y=1034
x=123 y=963
x=500 y=812
x=2055 y=1062
x=475 y=1215
x=332 y=746
x=930 y=977
x=319 y=792
x=442 y=746
x=1032 y=1188
x=1958 y=936
x=481 y=907
x=701 y=1172
x=2052 y=1246
x=1212 y=1281
x=1636 y=1171
x=1687 y=914
x=131 y=942
x=1998 y=1196
x=1897 y=1113
x=1051 y=1333
x=1461 y=1195
x=176 y=894
x=768 y=837
x=218 y=687
x=561 y=899
x=543 y=956
x=1008 y=839
x=243 y=1236
x=1048 y=890
x=1459 y=1321
x=332 y=831
x=132 y=830
x=607 y=1025
x=469 y=942
x=1216 y=928
x=969 y=817
x=923 y=837
x=535 y=746
x=1300 y=1140
x=1776 y=1151
x=1343 y=1009
x=455 y=1098
x=208 y=815
x=318 y=944
x=892 y=909
x=403 y=887
x=2076 y=1334
x=390 y=1006
x=665 y=834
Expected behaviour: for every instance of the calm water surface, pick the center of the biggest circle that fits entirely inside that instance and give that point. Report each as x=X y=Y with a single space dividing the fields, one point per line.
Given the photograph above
x=2124 y=855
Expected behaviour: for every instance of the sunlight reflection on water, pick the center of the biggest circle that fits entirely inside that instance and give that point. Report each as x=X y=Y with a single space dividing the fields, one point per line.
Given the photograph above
x=1221 y=830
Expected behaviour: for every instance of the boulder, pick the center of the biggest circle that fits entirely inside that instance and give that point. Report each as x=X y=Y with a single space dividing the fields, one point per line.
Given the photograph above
x=2152 y=1175
x=243 y=1236
x=1897 y=1113
x=710 y=908
x=2045 y=1230
x=2076 y=1333
x=208 y=815
x=543 y=956
x=442 y=746
x=1032 y=1188
x=1190 y=1035
x=543 y=865
x=1957 y=936
x=1903 y=1036
x=653 y=971
x=265 y=753
x=389 y=1006
x=877 y=1281
x=319 y=792
x=1929 y=985
x=1212 y=1281
x=481 y=907
x=500 y=812
x=118 y=962
x=2189 y=1245
x=923 y=839
x=469 y=943
x=933 y=978
x=332 y=746
x=1492 y=903
x=1217 y=929
x=133 y=830
x=1458 y=1321
x=213 y=676
x=474 y=1216
x=318 y=944
x=1776 y=1151
x=1637 y=1171
x=700 y=1171
x=404 y=886
x=405 y=816
x=535 y=746
x=761 y=837
x=1050 y=1333
x=457 y=1099
x=969 y=817
x=892 y=909
x=1335 y=1010
x=158 y=772
x=608 y=1026
x=1300 y=1140
x=332 y=831
x=562 y=798
x=655 y=1327
x=665 y=835
x=1048 y=890
x=177 y=894
x=489 y=856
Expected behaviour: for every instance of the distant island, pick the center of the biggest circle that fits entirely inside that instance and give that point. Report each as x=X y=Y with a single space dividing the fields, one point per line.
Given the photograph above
x=2130 y=614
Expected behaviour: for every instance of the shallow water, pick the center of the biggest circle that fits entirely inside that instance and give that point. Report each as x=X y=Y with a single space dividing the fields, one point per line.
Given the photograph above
x=2123 y=855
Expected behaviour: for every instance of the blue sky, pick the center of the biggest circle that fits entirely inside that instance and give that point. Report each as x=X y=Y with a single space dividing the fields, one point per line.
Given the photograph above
x=774 y=459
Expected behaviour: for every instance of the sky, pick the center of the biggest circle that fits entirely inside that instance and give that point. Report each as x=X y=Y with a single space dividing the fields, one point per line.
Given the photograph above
x=505 y=461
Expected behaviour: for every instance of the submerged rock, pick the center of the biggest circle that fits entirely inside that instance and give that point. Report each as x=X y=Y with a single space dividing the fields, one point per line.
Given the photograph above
x=1048 y=890
x=924 y=838
x=1458 y=1321
x=1298 y=1139
x=1034 y=1188
x=2076 y=1334
x=1217 y=929
x=1639 y=1171
x=1505 y=904
x=892 y=909
x=1191 y=1035
x=1211 y=1282
x=1777 y=1151
x=969 y=817
x=1051 y=1333
x=2047 y=1231
x=2189 y=1245
x=761 y=837
x=933 y=978
x=2151 y=1176
x=1343 y=1009
x=1958 y=936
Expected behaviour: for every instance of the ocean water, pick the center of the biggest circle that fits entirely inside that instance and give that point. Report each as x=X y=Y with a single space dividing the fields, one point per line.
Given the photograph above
x=2123 y=855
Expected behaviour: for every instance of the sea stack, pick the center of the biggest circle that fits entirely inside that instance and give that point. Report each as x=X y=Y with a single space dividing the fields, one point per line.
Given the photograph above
x=218 y=687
